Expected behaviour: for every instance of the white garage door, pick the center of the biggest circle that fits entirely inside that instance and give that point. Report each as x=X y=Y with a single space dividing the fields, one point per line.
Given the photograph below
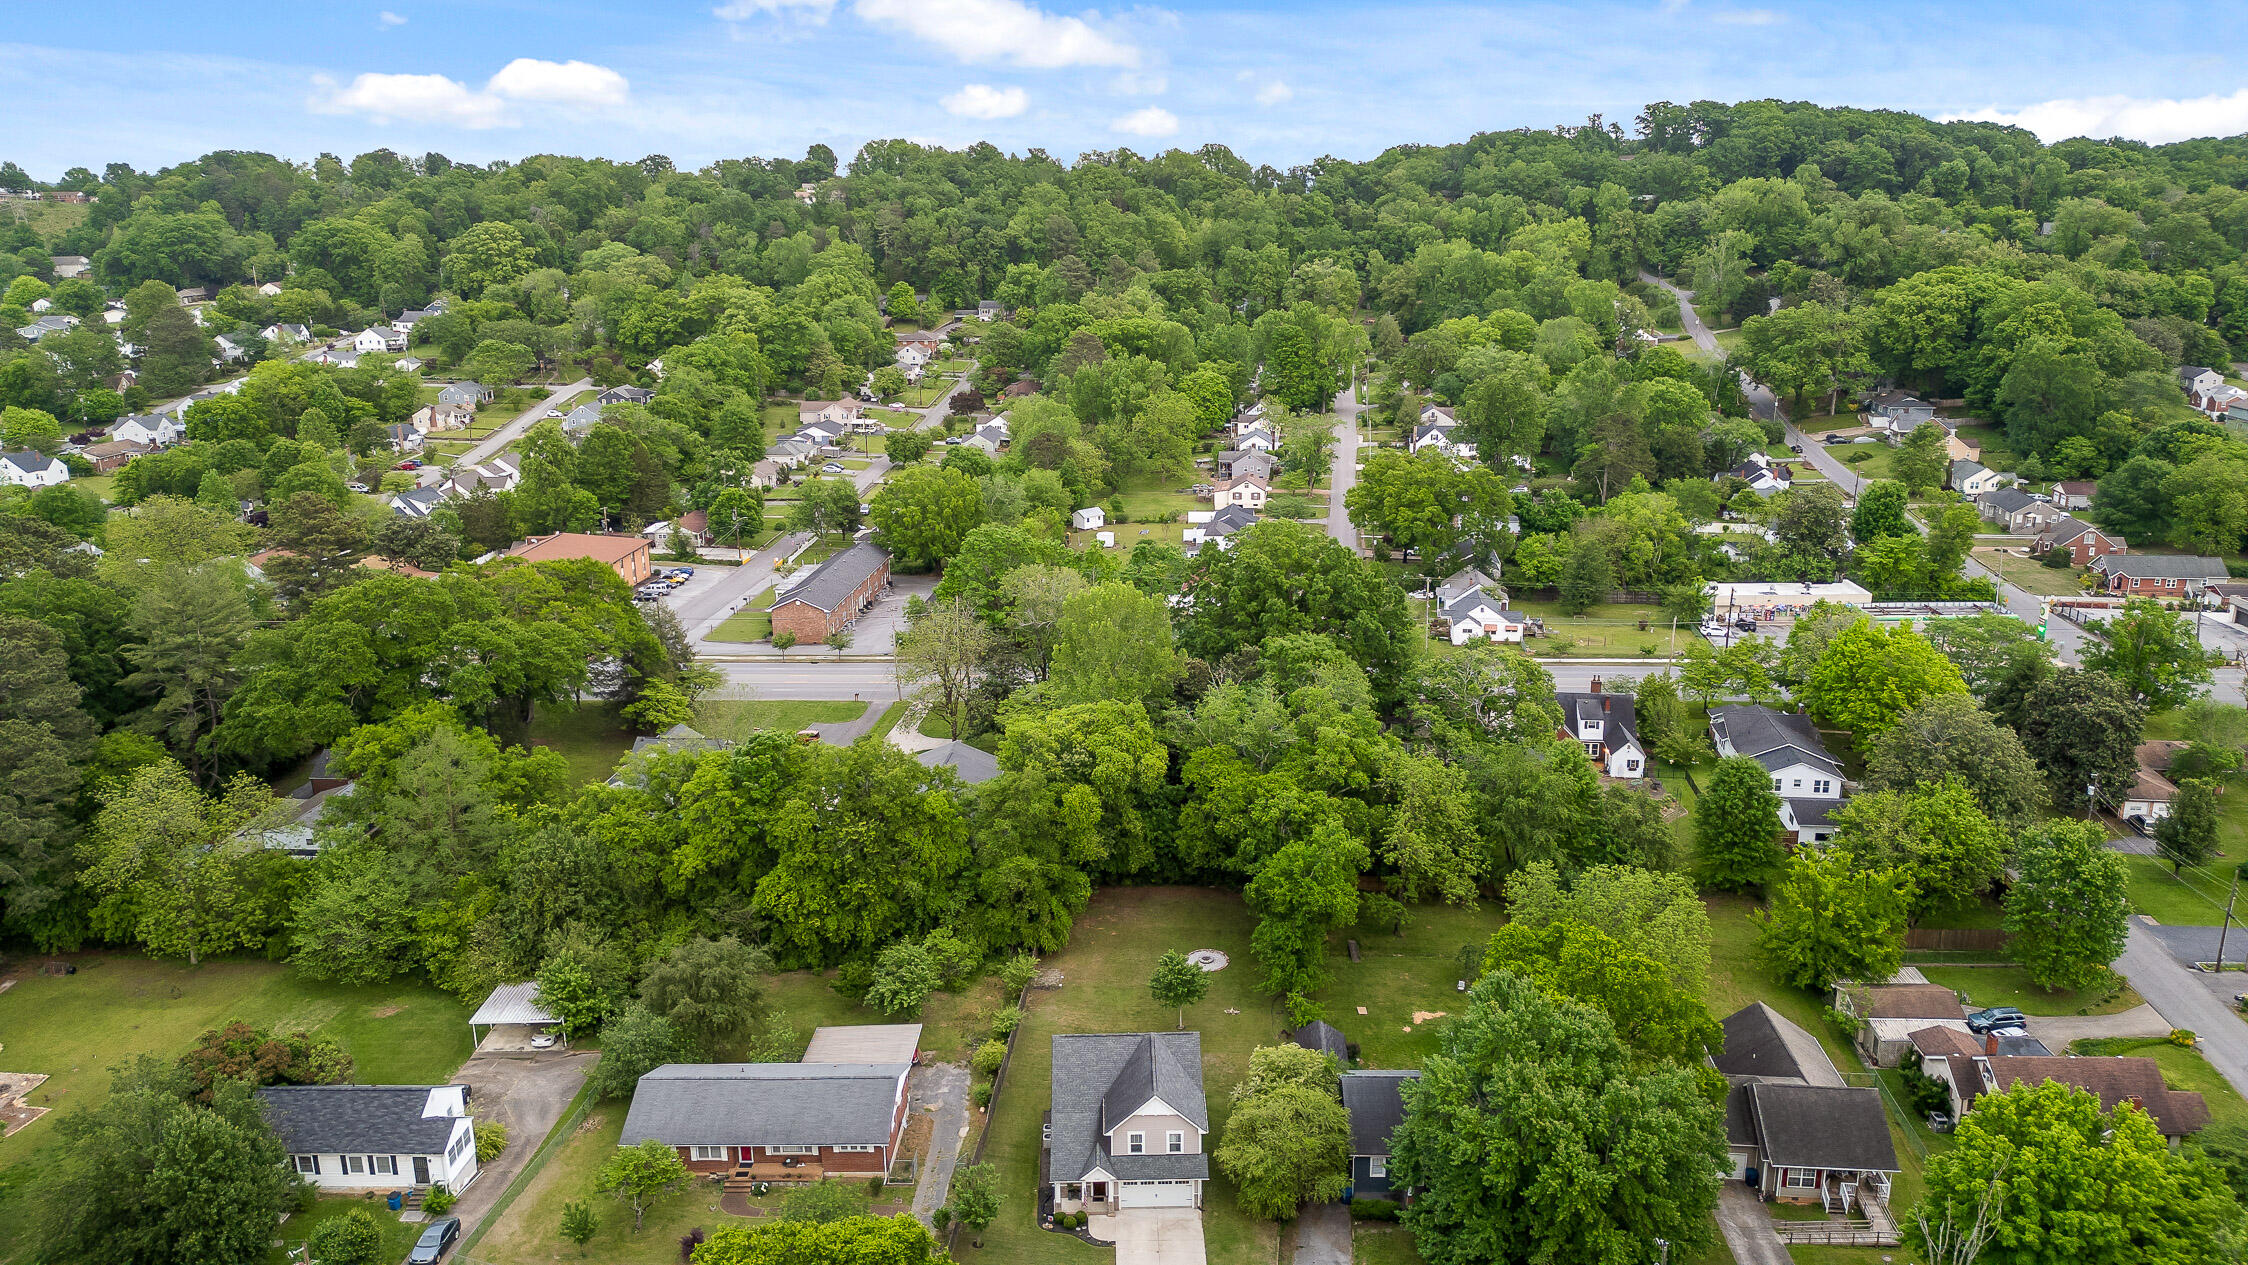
x=1156 y=1195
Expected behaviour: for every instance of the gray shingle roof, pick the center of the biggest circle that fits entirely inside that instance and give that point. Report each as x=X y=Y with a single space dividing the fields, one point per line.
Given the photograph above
x=1229 y=520
x=973 y=764
x=1813 y=812
x=2067 y=528
x=2006 y=500
x=765 y=1104
x=837 y=578
x=1461 y=606
x=1618 y=715
x=1965 y=469
x=1101 y=1078
x=1822 y=1126
x=1376 y=1108
x=1324 y=1037
x=1761 y=1042
x=2162 y=566
x=344 y=1119
x=1775 y=739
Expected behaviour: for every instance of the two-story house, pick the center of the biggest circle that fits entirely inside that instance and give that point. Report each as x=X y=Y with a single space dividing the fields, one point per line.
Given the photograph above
x=1898 y=411
x=2016 y=512
x=1973 y=478
x=1804 y=774
x=2081 y=540
x=1607 y=726
x=1127 y=1121
x=1473 y=614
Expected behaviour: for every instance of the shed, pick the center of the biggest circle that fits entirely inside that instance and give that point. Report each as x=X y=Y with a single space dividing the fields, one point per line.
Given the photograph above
x=512 y=1015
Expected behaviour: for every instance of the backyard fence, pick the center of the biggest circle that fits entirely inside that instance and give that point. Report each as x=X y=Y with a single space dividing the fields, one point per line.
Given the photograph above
x=1958 y=939
x=991 y=1108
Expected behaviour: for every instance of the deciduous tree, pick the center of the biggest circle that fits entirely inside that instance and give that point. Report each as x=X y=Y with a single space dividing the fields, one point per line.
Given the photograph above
x=1737 y=826
x=640 y=1176
x=2068 y=904
x=1178 y=982
x=1832 y=919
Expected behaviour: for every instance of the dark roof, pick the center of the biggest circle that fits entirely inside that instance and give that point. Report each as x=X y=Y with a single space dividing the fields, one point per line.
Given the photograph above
x=1911 y=1001
x=1376 y=1108
x=2068 y=527
x=681 y=737
x=1813 y=812
x=1618 y=714
x=2007 y=500
x=1763 y=1043
x=837 y=578
x=1099 y=1078
x=1464 y=604
x=2161 y=566
x=766 y=1104
x=1740 y=1116
x=1229 y=520
x=1775 y=739
x=342 y=1119
x=2120 y=1079
x=1964 y=468
x=973 y=764
x=1324 y=1037
x=1822 y=1126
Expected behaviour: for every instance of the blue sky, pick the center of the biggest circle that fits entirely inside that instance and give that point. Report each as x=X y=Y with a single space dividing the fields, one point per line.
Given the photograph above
x=151 y=83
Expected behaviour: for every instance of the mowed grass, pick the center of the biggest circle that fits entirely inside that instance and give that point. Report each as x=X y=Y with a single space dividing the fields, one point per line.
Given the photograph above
x=397 y=1236
x=2195 y=896
x=2030 y=575
x=1381 y=1243
x=2010 y=986
x=590 y=737
x=74 y=1028
x=734 y=718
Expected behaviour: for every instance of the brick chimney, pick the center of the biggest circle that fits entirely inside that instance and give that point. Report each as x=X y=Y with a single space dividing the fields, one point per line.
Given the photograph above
x=1596 y=685
x=1990 y=1043
x=1606 y=704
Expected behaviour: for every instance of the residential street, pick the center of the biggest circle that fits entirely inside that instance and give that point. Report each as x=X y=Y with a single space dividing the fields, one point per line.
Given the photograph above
x=1344 y=475
x=1760 y=401
x=2186 y=1000
x=509 y=433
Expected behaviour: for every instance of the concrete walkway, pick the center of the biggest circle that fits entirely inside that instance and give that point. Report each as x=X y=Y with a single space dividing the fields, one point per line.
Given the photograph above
x=944 y=1087
x=1748 y=1228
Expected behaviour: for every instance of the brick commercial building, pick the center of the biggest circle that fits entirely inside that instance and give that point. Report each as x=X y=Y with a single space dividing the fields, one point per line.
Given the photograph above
x=628 y=556
x=829 y=599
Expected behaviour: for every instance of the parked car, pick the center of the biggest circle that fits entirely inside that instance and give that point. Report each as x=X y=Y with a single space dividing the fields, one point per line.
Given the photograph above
x=1941 y=1122
x=684 y=573
x=1797 y=449
x=1996 y=1017
x=356 y=487
x=832 y=467
x=542 y=1040
x=407 y=465
x=435 y=1238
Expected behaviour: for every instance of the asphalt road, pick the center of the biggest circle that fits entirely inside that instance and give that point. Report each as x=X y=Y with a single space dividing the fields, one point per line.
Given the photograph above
x=809 y=674
x=1344 y=476
x=2185 y=1000
x=509 y=433
x=1760 y=401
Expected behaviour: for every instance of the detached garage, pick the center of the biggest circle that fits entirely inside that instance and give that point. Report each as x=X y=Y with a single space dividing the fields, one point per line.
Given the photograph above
x=511 y=1017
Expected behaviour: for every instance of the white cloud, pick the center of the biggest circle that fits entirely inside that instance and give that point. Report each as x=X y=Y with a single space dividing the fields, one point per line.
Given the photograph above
x=2156 y=120
x=1275 y=92
x=438 y=99
x=982 y=101
x=1746 y=17
x=1001 y=31
x=744 y=10
x=1152 y=121
x=559 y=83
x=387 y=18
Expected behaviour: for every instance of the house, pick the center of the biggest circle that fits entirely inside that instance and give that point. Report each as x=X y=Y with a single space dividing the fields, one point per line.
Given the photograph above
x=1436 y=429
x=1217 y=528
x=1091 y=518
x=836 y=413
x=1376 y=1103
x=407 y=364
x=1466 y=578
x=229 y=350
x=911 y=357
x=194 y=294
x=1607 y=726
x=2016 y=511
x=69 y=266
x=792 y=451
x=411 y=317
x=1827 y=1145
x=988 y=310
x=823 y=1117
x=44 y=326
x=580 y=420
x=2199 y=382
x=765 y=473
x=2075 y=494
x=374 y=341
x=1235 y=463
x=829 y=600
x=2083 y=542
x=1973 y=478
x=628 y=556
x=990 y=437
x=1970 y=1066
x=112 y=454
x=1126 y=1121
x=419 y=502
x=375 y=1137
x=1324 y=1037
x=28 y=469
x=499 y=475
x=694 y=525
x=403 y=437
x=822 y=433
x=625 y=395
x=632 y=769
x=1257 y=438
x=269 y=289
x=2151 y=793
x=1248 y=492
x=2159 y=575
x=1805 y=775
x=971 y=764
x=1764 y=476
x=1474 y=614
x=285 y=333
x=1889 y=1014
x=466 y=394
x=1897 y=411
x=1761 y=1044
x=436 y=417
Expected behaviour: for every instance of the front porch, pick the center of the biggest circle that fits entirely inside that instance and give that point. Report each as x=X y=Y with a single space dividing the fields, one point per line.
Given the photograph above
x=1857 y=1214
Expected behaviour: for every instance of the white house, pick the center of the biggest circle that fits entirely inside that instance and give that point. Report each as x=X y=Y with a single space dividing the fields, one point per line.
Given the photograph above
x=1804 y=775
x=373 y=341
x=2198 y=380
x=835 y=413
x=375 y=1137
x=1474 y=614
x=1764 y=476
x=280 y=332
x=1256 y=439
x=1973 y=478
x=29 y=469
x=153 y=429
x=433 y=417
x=270 y=288
x=1249 y=492
x=1607 y=726
x=1091 y=518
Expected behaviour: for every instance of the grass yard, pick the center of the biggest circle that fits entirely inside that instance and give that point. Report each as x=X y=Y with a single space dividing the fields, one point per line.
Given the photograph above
x=730 y=718
x=935 y=725
x=1397 y=977
x=1868 y=461
x=891 y=715
x=397 y=1236
x=1147 y=499
x=1380 y=1243
x=74 y=1028
x=1996 y=452
x=590 y=737
x=48 y=219
x=2181 y=1069
x=2010 y=986
x=2031 y=576
x=101 y=485
x=753 y=622
x=2195 y=897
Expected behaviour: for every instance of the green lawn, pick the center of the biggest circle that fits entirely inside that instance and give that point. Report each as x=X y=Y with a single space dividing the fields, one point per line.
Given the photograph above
x=1399 y=976
x=2181 y=1069
x=2029 y=575
x=101 y=485
x=2010 y=986
x=728 y=718
x=891 y=715
x=1381 y=1243
x=74 y=1028
x=934 y=725
x=397 y=1236
x=744 y=625
x=590 y=736
x=2195 y=897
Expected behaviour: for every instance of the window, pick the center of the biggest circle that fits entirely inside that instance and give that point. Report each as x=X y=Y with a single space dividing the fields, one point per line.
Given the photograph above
x=1174 y=1142
x=1822 y=787
x=706 y=1152
x=852 y=1150
x=355 y=1163
x=309 y=1164
x=387 y=1164
x=1593 y=749
x=1798 y=784
x=1631 y=766
x=1377 y=1166
x=459 y=1148
x=792 y=1150
x=1801 y=1178
x=2169 y=584
x=1775 y=784
x=1135 y=1143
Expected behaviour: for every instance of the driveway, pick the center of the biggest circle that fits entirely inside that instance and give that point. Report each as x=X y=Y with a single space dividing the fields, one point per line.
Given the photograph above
x=941 y=1089
x=2056 y=1031
x=1322 y=1235
x=1160 y=1236
x=1748 y=1228
x=527 y=1095
x=507 y=434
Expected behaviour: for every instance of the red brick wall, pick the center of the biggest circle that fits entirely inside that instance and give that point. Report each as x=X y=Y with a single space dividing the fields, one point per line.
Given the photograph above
x=705 y=1166
x=810 y=624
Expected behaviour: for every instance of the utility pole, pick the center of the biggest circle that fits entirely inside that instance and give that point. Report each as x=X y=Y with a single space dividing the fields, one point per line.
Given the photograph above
x=2226 y=926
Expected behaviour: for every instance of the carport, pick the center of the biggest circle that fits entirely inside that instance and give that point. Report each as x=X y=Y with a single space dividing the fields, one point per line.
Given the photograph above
x=511 y=1016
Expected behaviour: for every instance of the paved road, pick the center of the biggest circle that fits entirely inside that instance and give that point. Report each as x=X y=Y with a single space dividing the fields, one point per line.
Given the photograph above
x=1344 y=476
x=507 y=434
x=701 y=609
x=2186 y=1000
x=2056 y=1031
x=809 y=675
x=1760 y=401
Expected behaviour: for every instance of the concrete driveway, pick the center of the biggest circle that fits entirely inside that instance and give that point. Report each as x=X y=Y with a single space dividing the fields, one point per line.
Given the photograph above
x=527 y=1095
x=1322 y=1235
x=1748 y=1228
x=2056 y=1031
x=1162 y=1236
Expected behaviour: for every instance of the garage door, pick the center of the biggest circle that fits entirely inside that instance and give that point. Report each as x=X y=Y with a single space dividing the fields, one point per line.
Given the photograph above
x=1156 y=1195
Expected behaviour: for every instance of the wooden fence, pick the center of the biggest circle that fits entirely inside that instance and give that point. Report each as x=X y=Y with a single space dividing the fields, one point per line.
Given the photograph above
x=1959 y=939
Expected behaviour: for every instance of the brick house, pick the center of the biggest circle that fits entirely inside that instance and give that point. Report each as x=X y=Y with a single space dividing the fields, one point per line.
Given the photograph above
x=112 y=454
x=628 y=556
x=831 y=597
x=838 y=1113
x=2159 y=575
x=2082 y=540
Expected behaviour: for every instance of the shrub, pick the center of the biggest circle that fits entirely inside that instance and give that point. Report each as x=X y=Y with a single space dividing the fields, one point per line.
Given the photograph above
x=1924 y=1093
x=491 y=1139
x=981 y=1094
x=2183 y=1038
x=438 y=1201
x=988 y=1057
x=1004 y=1023
x=941 y=1218
x=688 y=1242
x=1373 y=1210
x=1016 y=972
x=351 y=1239
x=874 y=1187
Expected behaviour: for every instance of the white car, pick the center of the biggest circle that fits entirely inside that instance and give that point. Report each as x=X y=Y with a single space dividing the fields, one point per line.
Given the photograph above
x=831 y=468
x=542 y=1040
